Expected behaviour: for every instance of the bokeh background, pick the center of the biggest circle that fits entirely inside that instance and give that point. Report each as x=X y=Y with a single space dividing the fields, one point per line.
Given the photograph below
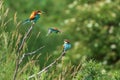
x=92 y=26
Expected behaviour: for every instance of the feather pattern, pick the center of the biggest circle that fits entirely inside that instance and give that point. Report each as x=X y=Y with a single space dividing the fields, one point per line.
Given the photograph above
x=35 y=15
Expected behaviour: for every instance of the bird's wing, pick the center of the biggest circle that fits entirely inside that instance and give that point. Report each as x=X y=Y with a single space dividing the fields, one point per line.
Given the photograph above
x=32 y=16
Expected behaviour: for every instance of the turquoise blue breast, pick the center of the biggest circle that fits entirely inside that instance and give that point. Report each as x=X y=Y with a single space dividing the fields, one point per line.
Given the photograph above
x=36 y=17
x=67 y=46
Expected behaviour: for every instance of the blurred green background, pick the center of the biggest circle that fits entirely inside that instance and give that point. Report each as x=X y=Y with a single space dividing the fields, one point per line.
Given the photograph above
x=92 y=26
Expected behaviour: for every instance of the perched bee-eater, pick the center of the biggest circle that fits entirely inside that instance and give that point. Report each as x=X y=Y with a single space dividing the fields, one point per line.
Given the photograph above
x=66 y=45
x=35 y=15
x=53 y=30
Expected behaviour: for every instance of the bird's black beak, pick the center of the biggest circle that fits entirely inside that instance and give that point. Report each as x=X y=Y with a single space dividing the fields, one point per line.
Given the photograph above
x=43 y=12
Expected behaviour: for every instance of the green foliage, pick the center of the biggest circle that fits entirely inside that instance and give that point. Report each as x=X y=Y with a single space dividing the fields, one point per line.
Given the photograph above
x=91 y=25
x=92 y=71
x=96 y=27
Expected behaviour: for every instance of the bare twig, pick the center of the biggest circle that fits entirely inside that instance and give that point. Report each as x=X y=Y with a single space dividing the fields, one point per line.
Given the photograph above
x=19 y=50
x=25 y=37
x=50 y=65
x=31 y=53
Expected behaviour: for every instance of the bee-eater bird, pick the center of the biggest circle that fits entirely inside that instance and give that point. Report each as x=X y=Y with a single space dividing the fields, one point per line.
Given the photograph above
x=35 y=15
x=53 y=30
x=66 y=45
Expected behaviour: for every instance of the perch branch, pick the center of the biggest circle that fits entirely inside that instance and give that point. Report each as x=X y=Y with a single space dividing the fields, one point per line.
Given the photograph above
x=31 y=53
x=50 y=65
x=18 y=53
x=25 y=37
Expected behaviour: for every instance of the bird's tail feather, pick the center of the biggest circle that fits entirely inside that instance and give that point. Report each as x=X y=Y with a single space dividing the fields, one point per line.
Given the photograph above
x=26 y=21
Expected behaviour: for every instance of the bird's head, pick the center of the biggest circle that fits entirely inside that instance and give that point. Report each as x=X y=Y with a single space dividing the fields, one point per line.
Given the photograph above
x=40 y=12
x=66 y=41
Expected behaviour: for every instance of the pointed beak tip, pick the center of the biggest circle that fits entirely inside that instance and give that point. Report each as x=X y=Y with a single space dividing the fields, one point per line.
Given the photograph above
x=43 y=12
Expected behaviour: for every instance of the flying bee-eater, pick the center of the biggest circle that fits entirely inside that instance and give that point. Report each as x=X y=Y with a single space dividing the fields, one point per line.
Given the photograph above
x=35 y=15
x=66 y=45
x=53 y=30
